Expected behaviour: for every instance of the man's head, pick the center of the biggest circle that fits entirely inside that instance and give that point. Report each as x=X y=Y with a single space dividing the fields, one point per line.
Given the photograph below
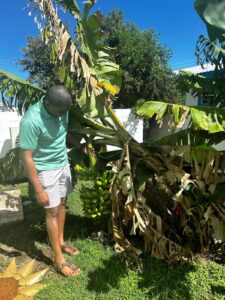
x=57 y=100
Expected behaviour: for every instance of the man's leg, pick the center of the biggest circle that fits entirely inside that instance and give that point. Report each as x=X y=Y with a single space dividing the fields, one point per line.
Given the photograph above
x=62 y=216
x=52 y=223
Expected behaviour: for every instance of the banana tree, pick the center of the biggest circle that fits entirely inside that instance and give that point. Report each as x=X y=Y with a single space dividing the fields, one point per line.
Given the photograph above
x=194 y=168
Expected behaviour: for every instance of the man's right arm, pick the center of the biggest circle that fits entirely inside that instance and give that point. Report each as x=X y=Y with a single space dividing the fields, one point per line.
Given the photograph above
x=32 y=175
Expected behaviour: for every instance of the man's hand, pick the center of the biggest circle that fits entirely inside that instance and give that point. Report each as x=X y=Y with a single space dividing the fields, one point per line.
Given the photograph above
x=32 y=175
x=42 y=198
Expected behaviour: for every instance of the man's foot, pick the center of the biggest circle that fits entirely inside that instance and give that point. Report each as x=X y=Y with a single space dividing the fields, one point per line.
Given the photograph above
x=66 y=269
x=69 y=249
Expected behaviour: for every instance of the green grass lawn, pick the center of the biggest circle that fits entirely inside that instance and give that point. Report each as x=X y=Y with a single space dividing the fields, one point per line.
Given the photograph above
x=104 y=275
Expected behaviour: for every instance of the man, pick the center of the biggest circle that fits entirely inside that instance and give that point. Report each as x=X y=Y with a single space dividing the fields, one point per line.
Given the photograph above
x=43 y=131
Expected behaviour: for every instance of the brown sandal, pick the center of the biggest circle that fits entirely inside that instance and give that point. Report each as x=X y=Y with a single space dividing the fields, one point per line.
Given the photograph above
x=60 y=267
x=75 y=250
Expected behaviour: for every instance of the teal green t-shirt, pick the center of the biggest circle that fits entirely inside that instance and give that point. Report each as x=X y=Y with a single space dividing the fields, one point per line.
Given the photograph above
x=46 y=135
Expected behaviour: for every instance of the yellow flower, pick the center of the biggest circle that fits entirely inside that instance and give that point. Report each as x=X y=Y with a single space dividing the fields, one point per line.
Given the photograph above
x=110 y=88
x=101 y=84
x=20 y=284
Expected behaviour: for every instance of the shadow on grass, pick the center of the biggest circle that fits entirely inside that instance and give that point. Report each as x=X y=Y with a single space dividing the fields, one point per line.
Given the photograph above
x=23 y=236
x=106 y=277
x=30 y=236
x=166 y=280
x=77 y=227
x=159 y=279
x=218 y=289
x=80 y=227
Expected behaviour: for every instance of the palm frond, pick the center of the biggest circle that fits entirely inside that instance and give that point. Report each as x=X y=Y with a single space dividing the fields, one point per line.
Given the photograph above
x=18 y=92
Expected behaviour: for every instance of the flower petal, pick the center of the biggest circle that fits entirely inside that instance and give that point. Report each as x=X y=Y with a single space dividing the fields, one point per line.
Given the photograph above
x=27 y=269
x=33 y=278
x=22 y=297
x=101 y=84
x=31 y=290
x=112 y=89
x=16 y=276
x=10 y=269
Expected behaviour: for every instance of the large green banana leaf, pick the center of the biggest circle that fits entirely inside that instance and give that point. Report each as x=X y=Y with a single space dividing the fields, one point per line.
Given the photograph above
x=212 y=14
x=198 y=142
x=18 y=92
x=208 y=50
x=210 y=119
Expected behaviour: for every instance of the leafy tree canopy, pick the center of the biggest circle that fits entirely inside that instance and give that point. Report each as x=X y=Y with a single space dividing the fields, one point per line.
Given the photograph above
x=37 y=63
x=144 y=61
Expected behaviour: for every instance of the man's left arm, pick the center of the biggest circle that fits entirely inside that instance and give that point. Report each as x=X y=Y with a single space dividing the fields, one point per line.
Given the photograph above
x=72 y=141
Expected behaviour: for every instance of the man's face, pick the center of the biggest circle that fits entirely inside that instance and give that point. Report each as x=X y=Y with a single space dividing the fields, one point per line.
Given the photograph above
x=57 y=111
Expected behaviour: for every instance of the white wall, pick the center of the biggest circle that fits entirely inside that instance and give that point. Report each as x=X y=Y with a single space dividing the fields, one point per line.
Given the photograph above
x=132 y=124
x=9 y=129
x=190 y=100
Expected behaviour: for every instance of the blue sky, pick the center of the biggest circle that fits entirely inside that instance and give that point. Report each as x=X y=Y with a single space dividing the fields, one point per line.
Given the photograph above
x=175 y=20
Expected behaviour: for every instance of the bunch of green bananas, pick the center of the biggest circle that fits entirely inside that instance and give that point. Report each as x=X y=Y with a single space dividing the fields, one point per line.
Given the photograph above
x=84 y=173
x=96 y=199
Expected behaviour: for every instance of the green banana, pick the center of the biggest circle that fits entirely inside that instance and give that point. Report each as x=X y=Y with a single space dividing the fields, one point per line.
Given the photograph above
x=84 y=173
x=100 y=190
x=98 y=182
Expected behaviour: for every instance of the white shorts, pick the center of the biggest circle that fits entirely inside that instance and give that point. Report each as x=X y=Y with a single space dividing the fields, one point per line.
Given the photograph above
x=57 y=184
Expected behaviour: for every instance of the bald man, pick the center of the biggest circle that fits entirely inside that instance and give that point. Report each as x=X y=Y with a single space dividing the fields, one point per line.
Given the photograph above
x=42 y=137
